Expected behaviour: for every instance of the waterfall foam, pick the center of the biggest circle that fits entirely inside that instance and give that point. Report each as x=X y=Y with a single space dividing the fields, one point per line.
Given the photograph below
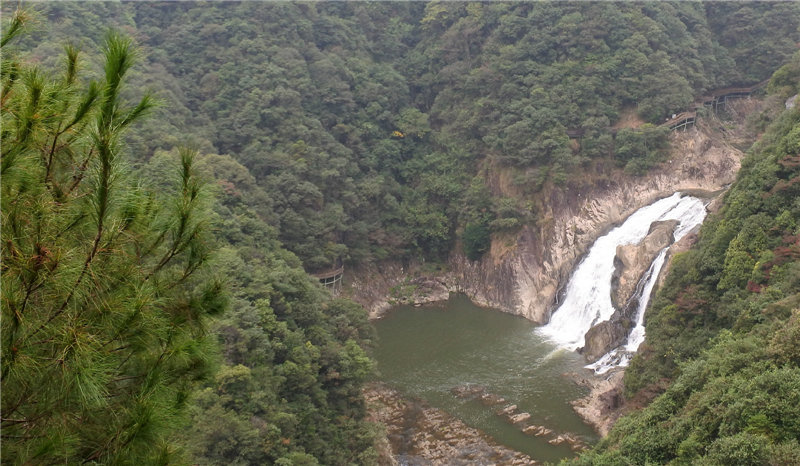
x=587 y=301
x=620 y=357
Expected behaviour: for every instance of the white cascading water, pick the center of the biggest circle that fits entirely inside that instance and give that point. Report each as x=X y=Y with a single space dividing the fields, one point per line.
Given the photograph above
x=588 y=294
x=620 y=357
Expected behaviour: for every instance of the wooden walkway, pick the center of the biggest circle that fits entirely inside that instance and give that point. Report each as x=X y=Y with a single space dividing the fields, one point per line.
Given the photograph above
x=681 y=120
x=720 y=97
x=331 y=279
x=716 y=100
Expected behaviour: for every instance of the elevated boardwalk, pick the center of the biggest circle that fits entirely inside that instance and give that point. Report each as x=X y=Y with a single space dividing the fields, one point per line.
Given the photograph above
x=331 y=279
x=716 y=100
x=681 y=120
x=720 y=97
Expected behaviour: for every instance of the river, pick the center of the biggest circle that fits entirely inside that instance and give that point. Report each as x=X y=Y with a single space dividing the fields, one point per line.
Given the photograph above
x=426 y=352
x=430 y=351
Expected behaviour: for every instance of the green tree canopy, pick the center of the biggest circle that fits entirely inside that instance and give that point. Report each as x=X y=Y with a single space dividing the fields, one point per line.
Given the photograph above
x=105 y=284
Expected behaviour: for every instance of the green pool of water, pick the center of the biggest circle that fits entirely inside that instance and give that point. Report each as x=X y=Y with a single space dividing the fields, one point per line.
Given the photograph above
x=426 y=351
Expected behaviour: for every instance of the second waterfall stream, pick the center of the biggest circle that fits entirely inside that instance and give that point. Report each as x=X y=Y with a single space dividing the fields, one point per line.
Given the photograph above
x=587 y=300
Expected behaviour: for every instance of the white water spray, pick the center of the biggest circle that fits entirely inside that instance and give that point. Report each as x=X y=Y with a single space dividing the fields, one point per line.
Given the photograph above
x=620 y=357
x=588 y=293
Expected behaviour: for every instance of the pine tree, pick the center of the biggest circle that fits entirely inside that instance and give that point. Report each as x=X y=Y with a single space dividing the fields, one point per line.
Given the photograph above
x=105 y=284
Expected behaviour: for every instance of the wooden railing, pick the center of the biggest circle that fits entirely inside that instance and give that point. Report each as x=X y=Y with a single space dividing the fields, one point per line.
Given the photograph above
x=331 y=279
x=718 y=98
x=681 y=120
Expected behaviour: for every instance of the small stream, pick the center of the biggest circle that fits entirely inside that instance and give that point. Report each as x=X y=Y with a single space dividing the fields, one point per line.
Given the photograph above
x=426 y=352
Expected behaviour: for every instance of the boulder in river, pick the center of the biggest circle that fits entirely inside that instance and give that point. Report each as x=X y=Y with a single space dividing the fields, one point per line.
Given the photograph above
x=518 y=418
x=538 y=431
x=507 y=411
x=468 y=391
x=490 y=399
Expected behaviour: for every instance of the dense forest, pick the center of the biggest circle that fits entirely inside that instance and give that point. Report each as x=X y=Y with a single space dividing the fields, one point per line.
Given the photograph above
x=164 y=196
x=111 y=270
x=370 y=127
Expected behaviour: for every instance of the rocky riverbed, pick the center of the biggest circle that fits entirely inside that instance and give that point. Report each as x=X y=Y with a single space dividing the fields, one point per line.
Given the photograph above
x=422 y=435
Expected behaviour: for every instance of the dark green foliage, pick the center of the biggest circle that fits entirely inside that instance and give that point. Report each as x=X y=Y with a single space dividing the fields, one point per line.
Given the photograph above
x=723 y=330
x=641 y=149
x=476 y=240
x=106 y=291
x=743 y=29
x=365 y=125
x=289 y=388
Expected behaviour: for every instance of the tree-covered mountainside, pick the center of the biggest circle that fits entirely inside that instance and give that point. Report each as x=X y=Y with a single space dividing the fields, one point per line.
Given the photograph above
x=723 y=335
x=370 y=127
x=355 y=132
x=110 y=272
x=289 y=388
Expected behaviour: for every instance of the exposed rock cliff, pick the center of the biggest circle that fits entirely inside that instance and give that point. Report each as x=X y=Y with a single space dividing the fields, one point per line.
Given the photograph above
x=521 y=274
x=601 y=408
x=633 y=260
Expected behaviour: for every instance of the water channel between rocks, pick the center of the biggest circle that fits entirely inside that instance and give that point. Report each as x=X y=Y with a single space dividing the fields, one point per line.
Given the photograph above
x=427 y=352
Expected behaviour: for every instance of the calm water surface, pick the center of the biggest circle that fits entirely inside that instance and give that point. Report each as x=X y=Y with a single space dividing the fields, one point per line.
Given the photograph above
x=425 y=352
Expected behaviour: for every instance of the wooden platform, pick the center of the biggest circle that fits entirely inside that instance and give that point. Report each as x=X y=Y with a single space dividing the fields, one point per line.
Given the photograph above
x=681 y=120
x=331 y=279
x=715 y=100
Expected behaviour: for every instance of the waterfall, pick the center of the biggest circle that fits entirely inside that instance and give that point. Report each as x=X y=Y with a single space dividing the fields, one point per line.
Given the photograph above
x=587 y=301
x=620 y=357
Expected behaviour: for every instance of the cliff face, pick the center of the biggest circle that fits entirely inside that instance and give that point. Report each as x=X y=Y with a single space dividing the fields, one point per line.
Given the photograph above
x=521 y=274
x=633 y=260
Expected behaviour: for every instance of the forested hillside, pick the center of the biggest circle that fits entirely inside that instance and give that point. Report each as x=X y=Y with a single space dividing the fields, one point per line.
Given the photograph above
x=369 y=127
x=111 y=272
x=723 y=334
x=327 y=133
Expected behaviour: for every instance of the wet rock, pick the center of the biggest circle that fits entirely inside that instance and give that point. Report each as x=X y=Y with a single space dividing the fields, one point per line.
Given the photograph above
x=468 y=391
x=574 y=442
x=490 y=399
x=603 y=337
x=602 y=407
x=507 y=411
x=519 y=418
x=537 y=431
x=633 y=260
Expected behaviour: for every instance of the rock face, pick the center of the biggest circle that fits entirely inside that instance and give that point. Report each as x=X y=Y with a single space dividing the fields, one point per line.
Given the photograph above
x=605 y=336
x=522 y=273
x=601 y=408
x=633 y=260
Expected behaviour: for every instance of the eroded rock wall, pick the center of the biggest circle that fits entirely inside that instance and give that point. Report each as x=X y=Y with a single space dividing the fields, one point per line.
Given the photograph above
x=521 y=274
